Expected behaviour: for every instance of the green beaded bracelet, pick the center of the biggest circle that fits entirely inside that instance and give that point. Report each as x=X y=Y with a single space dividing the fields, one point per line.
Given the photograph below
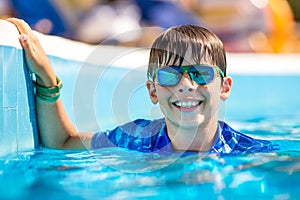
x=48 y=94
x=49 y=90
x=48 y=98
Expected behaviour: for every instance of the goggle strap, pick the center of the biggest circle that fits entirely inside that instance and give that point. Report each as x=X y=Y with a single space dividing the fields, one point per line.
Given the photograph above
x=219 y=71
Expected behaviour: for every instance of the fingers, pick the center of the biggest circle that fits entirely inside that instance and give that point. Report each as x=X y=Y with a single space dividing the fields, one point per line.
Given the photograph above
x=21 y=25
x=29 y=44
x=36 y=59
x=27 y=38
x=24 y=30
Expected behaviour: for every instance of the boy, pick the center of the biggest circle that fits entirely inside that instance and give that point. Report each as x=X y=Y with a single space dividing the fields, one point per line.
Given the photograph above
x=186 y=76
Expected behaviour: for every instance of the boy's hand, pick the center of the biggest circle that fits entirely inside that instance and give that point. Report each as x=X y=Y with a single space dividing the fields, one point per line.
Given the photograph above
x=36 y=59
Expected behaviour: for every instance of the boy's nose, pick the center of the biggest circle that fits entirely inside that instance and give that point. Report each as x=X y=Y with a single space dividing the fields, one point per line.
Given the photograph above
x=186 y=84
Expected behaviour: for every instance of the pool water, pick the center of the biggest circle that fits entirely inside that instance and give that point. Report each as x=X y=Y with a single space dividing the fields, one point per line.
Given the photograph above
x=115 y=173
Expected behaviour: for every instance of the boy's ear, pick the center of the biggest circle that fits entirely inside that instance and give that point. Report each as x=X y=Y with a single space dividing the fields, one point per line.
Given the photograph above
x=152 y=92
x=226 y=88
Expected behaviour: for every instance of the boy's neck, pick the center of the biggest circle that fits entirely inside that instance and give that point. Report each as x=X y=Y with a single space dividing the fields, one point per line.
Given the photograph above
x=185 y=139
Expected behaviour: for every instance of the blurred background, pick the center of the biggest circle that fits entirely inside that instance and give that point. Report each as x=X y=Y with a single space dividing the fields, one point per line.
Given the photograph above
x=265 y=26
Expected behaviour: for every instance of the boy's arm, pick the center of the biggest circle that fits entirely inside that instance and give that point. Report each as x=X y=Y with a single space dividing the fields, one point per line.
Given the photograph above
x=55 y=128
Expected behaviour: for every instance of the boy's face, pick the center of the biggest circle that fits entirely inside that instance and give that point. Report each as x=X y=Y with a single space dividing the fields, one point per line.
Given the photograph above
x=187 y=104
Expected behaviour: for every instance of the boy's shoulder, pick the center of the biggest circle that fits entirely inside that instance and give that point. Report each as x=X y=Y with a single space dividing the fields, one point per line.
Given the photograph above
x=234 y=142
x=136 y=134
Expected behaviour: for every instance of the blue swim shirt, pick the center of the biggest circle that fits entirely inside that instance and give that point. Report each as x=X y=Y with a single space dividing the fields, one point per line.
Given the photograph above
x=151 y=136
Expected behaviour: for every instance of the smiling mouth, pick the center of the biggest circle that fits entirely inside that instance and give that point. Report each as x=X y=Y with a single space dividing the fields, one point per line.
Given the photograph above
x=187 y=104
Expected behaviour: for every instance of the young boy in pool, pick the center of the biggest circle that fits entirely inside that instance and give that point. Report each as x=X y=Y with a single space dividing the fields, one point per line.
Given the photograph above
x=186 y=76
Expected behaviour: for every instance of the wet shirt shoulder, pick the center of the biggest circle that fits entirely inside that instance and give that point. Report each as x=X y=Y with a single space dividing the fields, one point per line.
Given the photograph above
x=140 y=135
x=231 y=141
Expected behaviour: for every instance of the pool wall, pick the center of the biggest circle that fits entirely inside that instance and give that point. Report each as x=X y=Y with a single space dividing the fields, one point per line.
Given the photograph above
x=18 y=131
x=104 y=86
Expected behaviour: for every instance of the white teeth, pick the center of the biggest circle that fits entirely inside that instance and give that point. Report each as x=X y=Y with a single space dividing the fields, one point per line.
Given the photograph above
x=186 y=104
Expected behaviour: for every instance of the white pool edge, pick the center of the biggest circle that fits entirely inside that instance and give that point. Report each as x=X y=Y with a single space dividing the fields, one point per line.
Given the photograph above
x=130 y=57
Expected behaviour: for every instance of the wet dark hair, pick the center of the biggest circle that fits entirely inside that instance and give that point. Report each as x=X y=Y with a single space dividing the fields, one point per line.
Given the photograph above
x=171 y=46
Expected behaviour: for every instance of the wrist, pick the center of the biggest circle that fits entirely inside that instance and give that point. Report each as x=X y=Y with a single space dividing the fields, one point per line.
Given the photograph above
x=46 y=82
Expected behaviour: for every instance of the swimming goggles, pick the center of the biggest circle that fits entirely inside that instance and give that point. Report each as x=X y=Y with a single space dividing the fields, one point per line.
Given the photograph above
x=171 y=75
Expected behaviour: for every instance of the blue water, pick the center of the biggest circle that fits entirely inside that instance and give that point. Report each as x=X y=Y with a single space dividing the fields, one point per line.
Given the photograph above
x=115 y=173
x=119 y=174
